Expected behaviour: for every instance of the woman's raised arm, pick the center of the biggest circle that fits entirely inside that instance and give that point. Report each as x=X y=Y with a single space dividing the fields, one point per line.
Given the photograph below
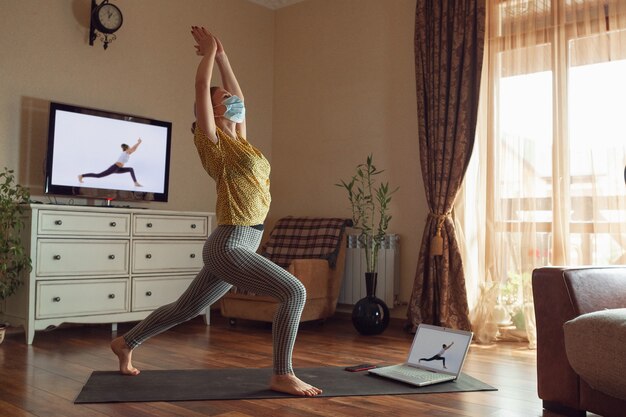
x=206 y=46
x=229 y=80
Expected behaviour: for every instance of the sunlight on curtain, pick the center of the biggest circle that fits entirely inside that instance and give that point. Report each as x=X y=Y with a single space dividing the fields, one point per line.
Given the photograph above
x=546 y=182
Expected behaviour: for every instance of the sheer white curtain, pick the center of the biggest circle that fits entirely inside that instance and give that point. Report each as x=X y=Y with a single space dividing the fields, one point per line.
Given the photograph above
x=546 y=182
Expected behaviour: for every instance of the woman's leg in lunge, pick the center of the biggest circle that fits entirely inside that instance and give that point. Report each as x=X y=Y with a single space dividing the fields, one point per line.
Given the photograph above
x=241 y=266
x=266 y=278
x=132 y=174
x=110 y=170
x=284 y=331
x=434 y=358
x=204 y=290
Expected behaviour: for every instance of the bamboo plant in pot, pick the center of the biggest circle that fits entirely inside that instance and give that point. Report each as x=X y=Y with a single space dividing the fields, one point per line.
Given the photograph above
x=370 y=206
x=14 y=259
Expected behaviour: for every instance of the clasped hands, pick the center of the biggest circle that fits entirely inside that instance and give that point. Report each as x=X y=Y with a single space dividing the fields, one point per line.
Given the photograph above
x=206 y=42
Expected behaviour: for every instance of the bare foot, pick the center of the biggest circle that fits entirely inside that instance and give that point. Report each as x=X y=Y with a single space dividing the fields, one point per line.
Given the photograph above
x=124 y=353
x=290 y=384
x=80 y=178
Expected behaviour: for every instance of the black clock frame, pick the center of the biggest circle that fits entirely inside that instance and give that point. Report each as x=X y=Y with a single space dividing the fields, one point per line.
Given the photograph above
x=95 y=26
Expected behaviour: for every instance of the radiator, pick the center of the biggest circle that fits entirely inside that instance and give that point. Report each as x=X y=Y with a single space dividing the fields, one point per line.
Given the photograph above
x=353 y=286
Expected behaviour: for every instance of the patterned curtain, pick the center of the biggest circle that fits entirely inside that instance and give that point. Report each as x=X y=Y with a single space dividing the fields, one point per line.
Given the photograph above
x=449 y=37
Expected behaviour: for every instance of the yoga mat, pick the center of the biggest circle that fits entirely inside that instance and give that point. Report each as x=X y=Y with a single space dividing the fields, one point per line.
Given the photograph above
x=246 y=383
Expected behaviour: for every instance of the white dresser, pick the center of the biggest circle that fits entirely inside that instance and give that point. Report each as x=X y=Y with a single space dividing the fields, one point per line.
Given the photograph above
x=104 y=265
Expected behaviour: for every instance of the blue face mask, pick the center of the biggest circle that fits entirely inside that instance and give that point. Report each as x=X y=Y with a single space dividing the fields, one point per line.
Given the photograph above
x=235 y=110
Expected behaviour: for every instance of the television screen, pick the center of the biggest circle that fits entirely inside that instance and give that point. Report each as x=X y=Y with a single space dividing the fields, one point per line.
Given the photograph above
x=102 y=154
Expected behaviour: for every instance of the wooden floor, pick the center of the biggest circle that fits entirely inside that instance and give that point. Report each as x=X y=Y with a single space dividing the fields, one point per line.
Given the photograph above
x=44 y=379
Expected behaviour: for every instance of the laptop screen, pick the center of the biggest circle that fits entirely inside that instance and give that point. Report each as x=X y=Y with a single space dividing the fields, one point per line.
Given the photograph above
x=439 y=349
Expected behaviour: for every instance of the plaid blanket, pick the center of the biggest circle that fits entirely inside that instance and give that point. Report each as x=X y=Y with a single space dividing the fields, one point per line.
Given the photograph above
x=305 y=238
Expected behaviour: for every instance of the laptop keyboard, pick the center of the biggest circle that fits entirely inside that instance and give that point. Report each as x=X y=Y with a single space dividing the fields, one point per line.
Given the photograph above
x=416 y=374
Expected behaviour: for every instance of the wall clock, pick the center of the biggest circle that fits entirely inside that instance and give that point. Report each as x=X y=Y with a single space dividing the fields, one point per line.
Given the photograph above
x=106 y=19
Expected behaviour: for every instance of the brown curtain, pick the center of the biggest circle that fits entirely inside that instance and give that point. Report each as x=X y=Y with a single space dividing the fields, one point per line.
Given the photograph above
x=449 y=38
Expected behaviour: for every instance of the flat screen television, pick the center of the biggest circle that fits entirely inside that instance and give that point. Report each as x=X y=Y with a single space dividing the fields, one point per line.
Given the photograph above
x=108 y=155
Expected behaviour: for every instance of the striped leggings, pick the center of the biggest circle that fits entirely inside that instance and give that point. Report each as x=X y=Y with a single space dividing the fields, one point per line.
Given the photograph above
x=230 y=259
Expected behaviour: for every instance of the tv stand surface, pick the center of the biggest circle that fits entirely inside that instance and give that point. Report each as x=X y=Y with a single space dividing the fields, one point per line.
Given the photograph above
x=97 y=264
x=104 y=206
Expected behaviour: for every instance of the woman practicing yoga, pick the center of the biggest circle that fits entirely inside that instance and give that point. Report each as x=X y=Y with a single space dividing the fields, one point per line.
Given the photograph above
x=118 y=167
x=241 y=174
x=439 y=355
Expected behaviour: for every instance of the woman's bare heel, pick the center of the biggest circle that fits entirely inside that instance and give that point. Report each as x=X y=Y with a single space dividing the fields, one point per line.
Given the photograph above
x=124 y=354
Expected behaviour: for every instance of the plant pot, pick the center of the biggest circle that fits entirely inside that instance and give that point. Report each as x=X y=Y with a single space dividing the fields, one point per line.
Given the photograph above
x=3 y=329
x=370 y=315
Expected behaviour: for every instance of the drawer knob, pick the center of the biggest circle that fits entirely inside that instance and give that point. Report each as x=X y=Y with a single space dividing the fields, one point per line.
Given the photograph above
x=111 y=256
x=149 y=225
x=193 y=255
x=56 y=257
x=193 y=225
x=148 y=256
x=111 y=296
x=112 y=224
x=56 y=299
x=58 y=222
x=148 y=293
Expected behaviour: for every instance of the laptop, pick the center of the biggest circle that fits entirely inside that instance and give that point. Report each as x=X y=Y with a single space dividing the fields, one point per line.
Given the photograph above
x=437 y=355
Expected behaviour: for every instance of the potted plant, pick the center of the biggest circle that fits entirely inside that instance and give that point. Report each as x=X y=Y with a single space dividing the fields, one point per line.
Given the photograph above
x=370 y=205
x=14 y=259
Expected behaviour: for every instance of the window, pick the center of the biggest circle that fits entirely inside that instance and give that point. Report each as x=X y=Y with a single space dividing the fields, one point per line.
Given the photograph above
x=553 y=145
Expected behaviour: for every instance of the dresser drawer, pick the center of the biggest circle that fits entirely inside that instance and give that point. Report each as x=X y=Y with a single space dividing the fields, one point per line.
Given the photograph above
x=83 y=224
x=65 y=257
x=171 y=226
x=81 y=297
x=150 y=293
x=170 y=255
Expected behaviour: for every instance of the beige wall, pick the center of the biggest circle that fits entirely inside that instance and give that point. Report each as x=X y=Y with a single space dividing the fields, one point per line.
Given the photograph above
x=345 y=88
x=327 y=82
x=148 y=71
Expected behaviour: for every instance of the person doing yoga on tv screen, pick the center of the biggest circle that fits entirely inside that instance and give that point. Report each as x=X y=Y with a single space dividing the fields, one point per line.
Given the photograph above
x=118 y=167
x=241 y=175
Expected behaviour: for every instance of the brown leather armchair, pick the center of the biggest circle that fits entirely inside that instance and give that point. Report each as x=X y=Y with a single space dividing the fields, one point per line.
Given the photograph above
x=563 y=296
x=311 y=248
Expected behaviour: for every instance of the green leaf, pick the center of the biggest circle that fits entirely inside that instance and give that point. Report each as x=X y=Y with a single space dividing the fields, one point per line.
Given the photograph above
x=369 y=205
x=14 y=260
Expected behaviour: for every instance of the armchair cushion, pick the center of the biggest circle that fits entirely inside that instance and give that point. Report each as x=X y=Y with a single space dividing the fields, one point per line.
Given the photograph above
x=595 y=344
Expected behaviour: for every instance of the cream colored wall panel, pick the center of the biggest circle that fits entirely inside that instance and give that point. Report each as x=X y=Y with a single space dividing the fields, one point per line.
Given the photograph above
x=152 y=65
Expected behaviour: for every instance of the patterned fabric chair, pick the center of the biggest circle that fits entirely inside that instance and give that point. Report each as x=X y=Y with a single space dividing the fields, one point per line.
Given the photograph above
x=311 y=248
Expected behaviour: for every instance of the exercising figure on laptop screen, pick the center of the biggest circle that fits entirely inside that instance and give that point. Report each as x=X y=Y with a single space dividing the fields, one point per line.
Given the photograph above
x=439 y=356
